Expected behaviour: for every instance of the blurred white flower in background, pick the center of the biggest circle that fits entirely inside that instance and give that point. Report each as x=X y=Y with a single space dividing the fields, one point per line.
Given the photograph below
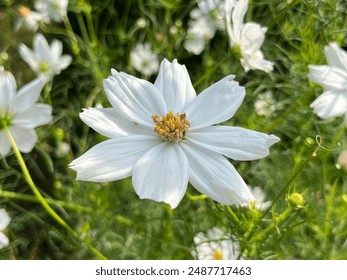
x=4 y=222
x=203 y=24
x=247 y=37
x=52 y=9
x=265 y=105
x=259 y=201
x=333 y=78
x=45 y=60
x=342 y=160
x=144 y=60
x=215 y=245
x=29 y=19
x=20 y=112
x=163 y=135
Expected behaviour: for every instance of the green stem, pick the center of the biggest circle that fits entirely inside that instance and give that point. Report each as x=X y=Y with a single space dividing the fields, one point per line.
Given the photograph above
x=31 y=198
x=73 y=39
x=41 y=199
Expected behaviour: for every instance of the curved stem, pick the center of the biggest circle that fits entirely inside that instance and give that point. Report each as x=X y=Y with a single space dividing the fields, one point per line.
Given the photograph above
x=41 y=199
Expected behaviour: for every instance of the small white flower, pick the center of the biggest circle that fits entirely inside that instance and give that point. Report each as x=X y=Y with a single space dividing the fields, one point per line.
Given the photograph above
x=164 y=135
x=265 y=105
x=20 y=112
x=144 y=60
x=248 y=37
x=45 y=60
x=52 y=9
x=29 y=19
x=333 y=78
x=4 y=222
x=215 y=245
x=259 y=202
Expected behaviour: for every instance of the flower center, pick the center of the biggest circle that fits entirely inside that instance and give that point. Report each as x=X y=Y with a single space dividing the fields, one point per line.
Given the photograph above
x=5 y=120
x=217 y=255
x=171 y=127
x=44 y=67
x=24 y=11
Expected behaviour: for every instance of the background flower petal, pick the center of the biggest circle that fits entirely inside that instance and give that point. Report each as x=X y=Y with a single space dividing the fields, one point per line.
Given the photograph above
x=336 y=56
x=28 y=95
x=331 y=103
x=34 y=116
x=162 y=174
x=215 y=104
x=25 y=138
x=328 y=77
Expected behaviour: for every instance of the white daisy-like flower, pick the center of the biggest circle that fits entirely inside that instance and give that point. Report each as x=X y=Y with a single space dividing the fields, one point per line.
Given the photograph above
x=52 y=9
x=164 y=136
x=20 y=112
x=333 y=78
x=4 y=222
x=144 y=60
x=247 y=37
x=215 y=245
x=29 y=19
x=45 y=60
x=259 y=201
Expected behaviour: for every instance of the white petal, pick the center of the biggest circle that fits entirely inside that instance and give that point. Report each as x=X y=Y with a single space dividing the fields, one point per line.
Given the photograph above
x=162 y=174
x=28 y=95
x=4 y=219
x=215 y=104
x=34 y=116
x=25 y=138
x=7 y=89
x=41 y=47
x=174 y=83
x=5 y=146
x=228 y=7
x=135 y=98
x=256 y=61
x=328 y=76
x=252 y=37
x=29 y=57
x=336 y=56
x=238 y=15
x=112 y=159
x=56 y=49
x=331 y=103
x=234 y=142
x=110 y=123
x=3 y=241
x=213 y=175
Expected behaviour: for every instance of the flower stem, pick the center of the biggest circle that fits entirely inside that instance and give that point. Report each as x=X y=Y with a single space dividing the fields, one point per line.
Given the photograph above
x=41 y=199
x=31 y=198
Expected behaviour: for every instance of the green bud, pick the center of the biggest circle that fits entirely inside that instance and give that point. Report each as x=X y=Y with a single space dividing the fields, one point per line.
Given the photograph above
x=296 y=200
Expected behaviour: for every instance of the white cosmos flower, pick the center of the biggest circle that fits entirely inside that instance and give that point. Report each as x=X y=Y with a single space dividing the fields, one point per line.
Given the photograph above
x=164 y=136
x=45 y=60
x=144 y=60
x=52 y=9
x=333 y=78
x=215 y=245
x=20 y=112
x=4 y=222
x=248 y=37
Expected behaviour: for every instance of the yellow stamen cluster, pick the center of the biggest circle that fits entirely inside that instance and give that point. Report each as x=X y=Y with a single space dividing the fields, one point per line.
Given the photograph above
x=24 y=11
x=217 y=255
x=171 y=127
